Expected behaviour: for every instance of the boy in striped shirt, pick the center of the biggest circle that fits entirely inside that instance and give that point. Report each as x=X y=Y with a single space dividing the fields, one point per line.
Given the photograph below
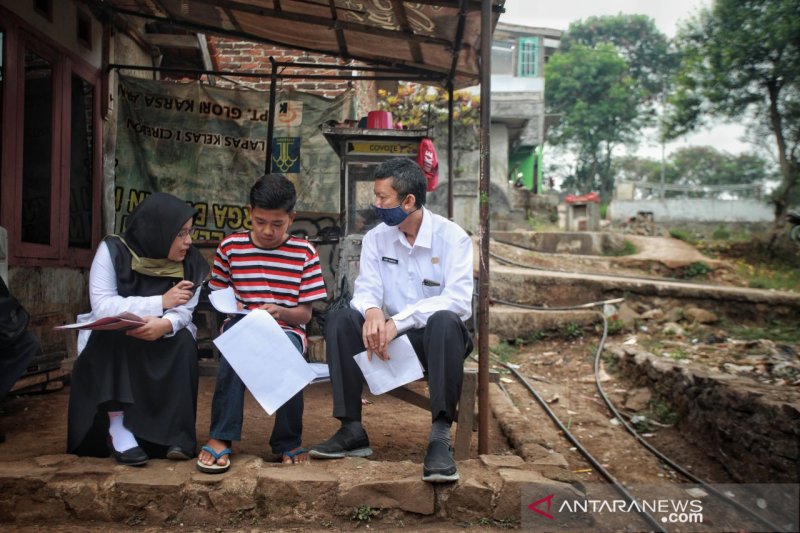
x=272 y=270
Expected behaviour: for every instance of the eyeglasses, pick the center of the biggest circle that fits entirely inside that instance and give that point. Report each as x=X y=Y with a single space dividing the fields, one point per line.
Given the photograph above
x=182 y=234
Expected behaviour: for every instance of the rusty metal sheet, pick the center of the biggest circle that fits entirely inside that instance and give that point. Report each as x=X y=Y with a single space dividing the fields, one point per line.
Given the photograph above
x=414 y=36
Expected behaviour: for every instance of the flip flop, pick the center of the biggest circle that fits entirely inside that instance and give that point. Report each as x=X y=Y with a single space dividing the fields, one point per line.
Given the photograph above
x=291 y=454
x=215 y=468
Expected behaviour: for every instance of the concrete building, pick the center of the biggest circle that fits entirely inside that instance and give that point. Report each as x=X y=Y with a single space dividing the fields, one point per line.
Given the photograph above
x=519 y=55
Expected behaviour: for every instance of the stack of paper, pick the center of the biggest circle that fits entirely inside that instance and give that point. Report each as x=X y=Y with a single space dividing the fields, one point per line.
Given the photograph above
x=265 y=359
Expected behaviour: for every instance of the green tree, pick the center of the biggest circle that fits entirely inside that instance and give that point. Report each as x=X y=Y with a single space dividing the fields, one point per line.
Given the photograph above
x=741 y=60
x=598 y=102
x=636 y=39
x=697 y=166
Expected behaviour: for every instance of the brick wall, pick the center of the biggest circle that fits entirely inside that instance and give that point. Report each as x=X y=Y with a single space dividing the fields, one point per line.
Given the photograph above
x=247 y=56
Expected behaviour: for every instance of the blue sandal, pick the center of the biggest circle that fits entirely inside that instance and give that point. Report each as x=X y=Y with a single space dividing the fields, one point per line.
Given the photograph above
x=215 y=468
x=291 y=454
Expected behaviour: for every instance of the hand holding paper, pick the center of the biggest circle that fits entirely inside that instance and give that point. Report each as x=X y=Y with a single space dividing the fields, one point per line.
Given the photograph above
x=402 y=367
x=265 y=359
x=224 y=301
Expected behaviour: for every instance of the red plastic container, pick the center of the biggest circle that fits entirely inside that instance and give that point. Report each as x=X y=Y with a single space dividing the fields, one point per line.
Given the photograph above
x=380 y=120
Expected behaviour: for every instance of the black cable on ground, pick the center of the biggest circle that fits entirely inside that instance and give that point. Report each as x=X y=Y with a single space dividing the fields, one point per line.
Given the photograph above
x=672 y=464
x=666 y=460
x=655 y=524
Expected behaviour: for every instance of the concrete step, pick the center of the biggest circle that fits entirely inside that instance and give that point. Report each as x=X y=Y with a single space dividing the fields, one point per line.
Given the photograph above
x=58 y=488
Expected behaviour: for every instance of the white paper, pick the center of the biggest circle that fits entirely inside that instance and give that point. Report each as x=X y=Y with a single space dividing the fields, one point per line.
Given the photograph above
x=321 y=370
x=265 y=359
x=224 y=301
x=401 y=368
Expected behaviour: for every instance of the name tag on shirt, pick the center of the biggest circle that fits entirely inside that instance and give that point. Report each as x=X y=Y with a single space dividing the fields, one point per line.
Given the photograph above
x=389 y=260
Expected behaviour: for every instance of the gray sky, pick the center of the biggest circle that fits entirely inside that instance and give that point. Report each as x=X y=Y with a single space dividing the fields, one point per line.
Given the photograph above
x=559 y=13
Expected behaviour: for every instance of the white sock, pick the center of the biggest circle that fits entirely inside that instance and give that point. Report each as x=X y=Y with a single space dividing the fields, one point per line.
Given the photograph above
x=121 y=437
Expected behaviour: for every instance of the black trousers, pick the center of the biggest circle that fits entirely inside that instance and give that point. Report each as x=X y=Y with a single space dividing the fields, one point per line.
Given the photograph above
x=14 y=360
x=441 y=347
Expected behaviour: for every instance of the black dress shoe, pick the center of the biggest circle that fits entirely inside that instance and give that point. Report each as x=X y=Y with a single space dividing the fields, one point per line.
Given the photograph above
x=133 y=457
x=176 y=453
x=439 y=466
x=346 y=442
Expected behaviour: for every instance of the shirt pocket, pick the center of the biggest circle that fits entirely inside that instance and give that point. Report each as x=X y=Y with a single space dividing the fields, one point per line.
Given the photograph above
x=433 y=282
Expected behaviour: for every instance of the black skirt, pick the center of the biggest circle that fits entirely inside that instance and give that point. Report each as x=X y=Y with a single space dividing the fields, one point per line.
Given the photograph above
x=153 y=382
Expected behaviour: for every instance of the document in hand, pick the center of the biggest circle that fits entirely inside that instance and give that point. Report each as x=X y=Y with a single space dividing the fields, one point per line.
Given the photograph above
x=401 y=368
x=224 y=301
x=120 y=322
x=265 y=359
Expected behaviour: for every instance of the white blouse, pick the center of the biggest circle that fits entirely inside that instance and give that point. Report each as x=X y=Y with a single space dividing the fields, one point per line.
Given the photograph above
x=106 y=301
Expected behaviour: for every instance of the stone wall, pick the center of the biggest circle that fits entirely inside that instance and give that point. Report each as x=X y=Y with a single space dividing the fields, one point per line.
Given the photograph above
x=753 y=429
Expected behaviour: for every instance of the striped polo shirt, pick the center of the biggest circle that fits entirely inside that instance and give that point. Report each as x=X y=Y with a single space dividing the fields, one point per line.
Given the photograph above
x=288 y=275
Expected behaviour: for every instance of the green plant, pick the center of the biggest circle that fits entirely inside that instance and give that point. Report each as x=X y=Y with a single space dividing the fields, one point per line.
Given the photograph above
x=572 y=330
x=774 y=330
x=680 y=234
x=678 y=354
x=504 y=351
x=506 y=523
x=615 y=325
x=663 y=411
x=365 y=513
x=721 y=233
x=628 y=248
x=537 y=336
x=325 y=523
x=695 y=270
x=610 y=362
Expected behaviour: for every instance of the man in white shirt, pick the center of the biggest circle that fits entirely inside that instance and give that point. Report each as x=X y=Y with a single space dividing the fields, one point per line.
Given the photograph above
x=415 y=279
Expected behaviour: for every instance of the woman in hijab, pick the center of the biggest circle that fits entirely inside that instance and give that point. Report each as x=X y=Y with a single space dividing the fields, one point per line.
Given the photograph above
x=134 y=392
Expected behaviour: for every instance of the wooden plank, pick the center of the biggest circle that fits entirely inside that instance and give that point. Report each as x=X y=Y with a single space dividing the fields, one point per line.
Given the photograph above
x=466 y=415
x=412 y=397
x=166 y=40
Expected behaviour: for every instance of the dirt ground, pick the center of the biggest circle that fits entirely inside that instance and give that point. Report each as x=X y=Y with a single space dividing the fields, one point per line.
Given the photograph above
x=570 y=390
x=36 y=424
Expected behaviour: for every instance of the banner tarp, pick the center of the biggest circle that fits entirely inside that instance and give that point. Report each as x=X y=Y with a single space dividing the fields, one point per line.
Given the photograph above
x=207 y=145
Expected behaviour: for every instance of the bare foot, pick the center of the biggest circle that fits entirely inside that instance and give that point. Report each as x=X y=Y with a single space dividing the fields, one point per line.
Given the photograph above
x=296 y=456
x=216 y=445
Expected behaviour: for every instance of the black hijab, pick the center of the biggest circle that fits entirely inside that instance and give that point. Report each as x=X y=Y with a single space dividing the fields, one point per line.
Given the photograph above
x=151 y=229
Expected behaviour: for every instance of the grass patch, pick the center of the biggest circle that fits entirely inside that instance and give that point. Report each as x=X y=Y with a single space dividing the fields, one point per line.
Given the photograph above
x=682 y=235
x=505 y=351
x=721 y=233
x=572 y=330
x=777 y=277
x=698 y=269
x=774 y=330
x=364 y=513
x=615 y=325
x=663 y=411
x=628 y=248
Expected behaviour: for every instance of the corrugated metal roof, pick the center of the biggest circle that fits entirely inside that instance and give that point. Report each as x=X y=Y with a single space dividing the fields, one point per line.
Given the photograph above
x=433 y=37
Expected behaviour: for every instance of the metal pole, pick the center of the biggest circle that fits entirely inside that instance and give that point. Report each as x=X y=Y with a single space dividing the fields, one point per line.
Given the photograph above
x=271 y=118
x=483 y=201
x=450 y=171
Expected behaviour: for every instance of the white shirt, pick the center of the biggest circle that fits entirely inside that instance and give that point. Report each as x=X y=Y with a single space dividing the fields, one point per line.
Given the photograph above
x=410 y=283
x=106 y=301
